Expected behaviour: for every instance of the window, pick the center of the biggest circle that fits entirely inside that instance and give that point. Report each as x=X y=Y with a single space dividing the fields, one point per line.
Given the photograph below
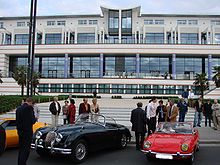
x=93 y=22
x=85 y=38
x=61 y=23
x=104 y=88
x=117 y=88
x=113 y=19
x=148 y=21
x=181 y=22
x=159 y=22
x=1 y=24
x=21 y=39
x=215 y=22
x=55 y=88
x=193 y=22
x=170 y=89
x=158 y=89
x=43 y=88
x=154 y=38
x=126 y=19
x=217 y=38
x=82 y=22
x=131 y=89
x=51 y=23
x=67 y=88
x=144 y=89
x=189 y=38
x=20 y=24
x=78 y=88
x=90 y=88
x=53 y=38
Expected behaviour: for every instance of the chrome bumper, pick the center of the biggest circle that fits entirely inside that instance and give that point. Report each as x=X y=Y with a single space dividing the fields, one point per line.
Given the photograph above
x=175 y=156
x=52 y=149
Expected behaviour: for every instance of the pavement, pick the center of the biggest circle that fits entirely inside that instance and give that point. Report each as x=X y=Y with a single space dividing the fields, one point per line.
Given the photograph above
x=120 y=110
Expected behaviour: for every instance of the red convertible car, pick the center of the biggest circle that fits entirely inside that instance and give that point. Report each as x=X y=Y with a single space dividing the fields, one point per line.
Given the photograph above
x=178 y=141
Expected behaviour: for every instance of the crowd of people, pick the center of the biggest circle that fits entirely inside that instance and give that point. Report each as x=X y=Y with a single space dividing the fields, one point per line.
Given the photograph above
x=145 y=121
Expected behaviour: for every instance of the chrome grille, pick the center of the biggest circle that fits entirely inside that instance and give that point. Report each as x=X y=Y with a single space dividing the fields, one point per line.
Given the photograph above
x=51 y=136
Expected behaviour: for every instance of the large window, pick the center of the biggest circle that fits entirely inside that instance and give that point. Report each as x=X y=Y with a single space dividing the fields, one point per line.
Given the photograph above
x=117 y=88
x=154 y=65
x=43 y=88
x=51 y=23
x=67 y=88
x=158 y=89
x=53 y=38
x=61 y=23
x=189 y=38
x=56 y=88
x=84 y=38
x=126 y=21
x=154 y=38
x=144 y=89
x=113 y=23
x=104 y=88
x=217 y=38
x=78 y=88
x=90 y=88
x=21 y=39
x=170 y=89
x=20 y=24
x=86 y=67
x=53 y=67
x=131 y=89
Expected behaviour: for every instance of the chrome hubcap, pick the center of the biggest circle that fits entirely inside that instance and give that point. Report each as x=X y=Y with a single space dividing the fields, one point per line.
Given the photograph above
x=80 y=151
x=123 y=141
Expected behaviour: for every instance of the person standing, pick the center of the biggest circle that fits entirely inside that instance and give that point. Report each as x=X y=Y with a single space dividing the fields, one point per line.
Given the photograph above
x=55 y=111
x=94 y=109
x=172 y=112
x=24 y=122
x=71 y=112
x=138 y=120
x=208 y=112
x=151 y=115
x=183 y=109
x=216 y=114
x=36 y=111
x=198 y=112
x=65 y=112
x=161 y=112
x=84 y=107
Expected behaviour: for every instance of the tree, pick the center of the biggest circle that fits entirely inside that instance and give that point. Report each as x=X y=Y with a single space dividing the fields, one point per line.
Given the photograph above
x=20 y=75
x=201 y=83
x=35 y=80
x=216 y=77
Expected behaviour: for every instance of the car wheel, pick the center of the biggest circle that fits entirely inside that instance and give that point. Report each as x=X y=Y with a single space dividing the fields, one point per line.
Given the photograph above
x=149 y=158
x=79 y=151
x=42 y=152
x=192 y=158
x=123 y=142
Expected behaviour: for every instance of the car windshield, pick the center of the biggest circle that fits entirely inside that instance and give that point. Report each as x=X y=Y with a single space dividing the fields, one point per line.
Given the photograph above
x=178 y=128
x=91 y=118
x=1 y=121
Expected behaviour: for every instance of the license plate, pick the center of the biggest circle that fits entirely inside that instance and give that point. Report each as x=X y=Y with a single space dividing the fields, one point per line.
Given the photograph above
x=164 y=156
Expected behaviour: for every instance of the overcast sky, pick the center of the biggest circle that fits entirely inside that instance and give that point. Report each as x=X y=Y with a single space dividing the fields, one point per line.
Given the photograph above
x=68 y=7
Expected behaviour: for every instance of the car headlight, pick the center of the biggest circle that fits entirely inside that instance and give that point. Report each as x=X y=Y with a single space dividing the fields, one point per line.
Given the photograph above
x=147 y=144
x=184 y=147
x=59 y=137
x=38 y=135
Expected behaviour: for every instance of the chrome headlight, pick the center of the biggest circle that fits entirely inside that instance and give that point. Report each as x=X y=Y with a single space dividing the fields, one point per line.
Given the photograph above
x=147 y=144
x=59 y=137
x=38 y=135
x=184 y=147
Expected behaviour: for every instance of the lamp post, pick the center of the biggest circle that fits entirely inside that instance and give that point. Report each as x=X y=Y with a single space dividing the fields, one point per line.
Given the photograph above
x=31 y=55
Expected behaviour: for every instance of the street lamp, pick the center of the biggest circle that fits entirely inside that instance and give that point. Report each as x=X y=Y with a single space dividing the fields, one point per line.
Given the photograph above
x=31 y=55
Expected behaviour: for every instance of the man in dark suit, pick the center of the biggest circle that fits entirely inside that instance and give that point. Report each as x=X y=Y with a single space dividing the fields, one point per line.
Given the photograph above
x=24 y=121
x=55 y=111
x=138 y=120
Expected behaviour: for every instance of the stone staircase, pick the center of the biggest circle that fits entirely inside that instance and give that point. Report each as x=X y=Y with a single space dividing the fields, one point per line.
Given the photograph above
x=214 y=94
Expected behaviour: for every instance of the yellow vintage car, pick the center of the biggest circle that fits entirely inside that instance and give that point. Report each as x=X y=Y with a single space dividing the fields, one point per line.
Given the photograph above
x=8 y=133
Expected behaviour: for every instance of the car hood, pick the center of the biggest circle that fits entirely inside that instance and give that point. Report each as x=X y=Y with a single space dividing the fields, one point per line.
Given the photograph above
x=170 y=143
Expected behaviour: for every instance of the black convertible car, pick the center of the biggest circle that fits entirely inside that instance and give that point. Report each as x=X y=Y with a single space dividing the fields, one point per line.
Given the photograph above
x=89 y=133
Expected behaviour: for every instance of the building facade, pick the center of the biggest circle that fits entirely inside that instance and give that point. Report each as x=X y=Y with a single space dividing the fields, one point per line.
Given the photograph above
x=118 y=52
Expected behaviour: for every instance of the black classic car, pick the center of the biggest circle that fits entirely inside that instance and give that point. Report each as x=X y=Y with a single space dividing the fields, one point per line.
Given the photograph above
x=89 y=133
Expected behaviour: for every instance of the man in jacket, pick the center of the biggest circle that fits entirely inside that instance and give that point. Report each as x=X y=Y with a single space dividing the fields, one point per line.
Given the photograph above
x=161 y=112
x=183 y=108
x=172 y=112
x=24 y=121
x=138 y=120
x=55 y=111
x=84 y=107
x=198 y=112
x=208 y=112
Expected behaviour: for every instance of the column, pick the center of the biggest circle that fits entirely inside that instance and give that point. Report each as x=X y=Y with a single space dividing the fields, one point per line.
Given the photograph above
x=43 y=37
x=75 y=36
x=96 y=35
x=165 y=36
x=68 y=41
x=200 y=37
x=172 y=42
x=137 y=65
x=119 y=27
x=101 y=65
x=12 y=38
x=66 y=66
x=103 y=36
x=174 y=66
x=63 y=36
x=209 y=67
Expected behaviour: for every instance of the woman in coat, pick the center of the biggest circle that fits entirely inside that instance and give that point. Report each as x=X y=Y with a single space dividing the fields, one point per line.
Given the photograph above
x=172 y=112
x=71 y=112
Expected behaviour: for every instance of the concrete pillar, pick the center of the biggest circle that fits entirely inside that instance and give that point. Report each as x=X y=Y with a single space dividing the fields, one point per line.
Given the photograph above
x=66 y=66
x=172 y=37
x=144 y=36
x=63 y=36
x=101 y=65
x=43 y=37
x=135 y=38
x=103 y=37
x=174 y=66
x=119 y=26
x=137 y=65
x=213 y=36
x=179 y=39
x=96 y=35
x=209 y=67
x=200 y=37
x=75 y=36
x=68 y=37
x=165 y=36
x=12 y=38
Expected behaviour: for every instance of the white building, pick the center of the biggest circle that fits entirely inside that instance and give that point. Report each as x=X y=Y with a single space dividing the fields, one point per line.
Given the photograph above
x=120 y=52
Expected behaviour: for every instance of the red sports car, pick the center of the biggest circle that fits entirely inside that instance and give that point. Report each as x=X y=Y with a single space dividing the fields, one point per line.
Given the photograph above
x=178 y=141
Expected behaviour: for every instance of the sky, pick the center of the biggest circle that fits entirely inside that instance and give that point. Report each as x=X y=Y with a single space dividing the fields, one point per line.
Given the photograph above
x=10 y=8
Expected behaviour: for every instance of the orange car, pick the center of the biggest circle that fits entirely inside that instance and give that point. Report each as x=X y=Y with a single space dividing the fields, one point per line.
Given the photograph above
x=8 y=133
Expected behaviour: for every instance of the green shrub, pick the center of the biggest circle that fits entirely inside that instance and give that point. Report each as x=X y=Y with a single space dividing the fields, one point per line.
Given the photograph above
x=116 y=97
